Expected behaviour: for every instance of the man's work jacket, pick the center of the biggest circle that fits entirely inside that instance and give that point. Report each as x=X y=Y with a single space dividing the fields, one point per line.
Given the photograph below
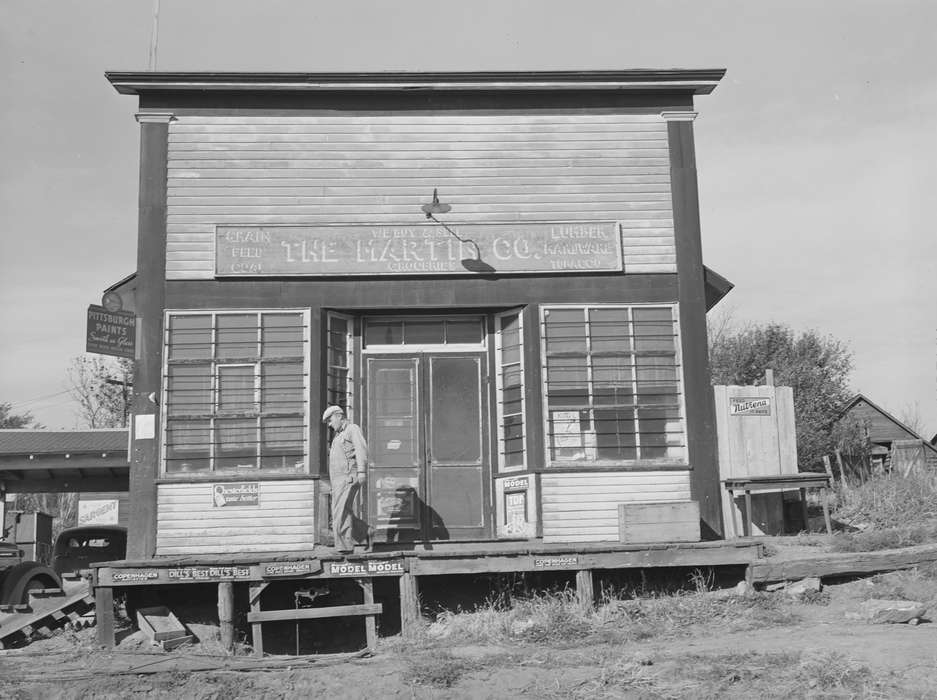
x=348 y=454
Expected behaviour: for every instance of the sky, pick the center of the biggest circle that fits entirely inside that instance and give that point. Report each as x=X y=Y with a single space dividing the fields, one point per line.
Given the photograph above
x=817 y=153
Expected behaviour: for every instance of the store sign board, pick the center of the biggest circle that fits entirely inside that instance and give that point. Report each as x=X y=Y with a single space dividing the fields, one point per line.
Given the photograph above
x=356 y=569
x=422 y=249
x=98 y=512
x=754 y=406
x=209 y=573
x=111 y=332
x=288 y=569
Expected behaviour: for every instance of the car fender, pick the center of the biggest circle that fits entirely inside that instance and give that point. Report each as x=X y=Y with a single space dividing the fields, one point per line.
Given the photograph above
x=17 y=578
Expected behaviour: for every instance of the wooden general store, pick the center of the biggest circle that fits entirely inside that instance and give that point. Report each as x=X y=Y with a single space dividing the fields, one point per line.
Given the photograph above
x=497 y=275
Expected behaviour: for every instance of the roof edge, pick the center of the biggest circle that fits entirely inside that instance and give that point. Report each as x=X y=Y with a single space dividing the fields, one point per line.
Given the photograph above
x=862 y=397
x=695 y=81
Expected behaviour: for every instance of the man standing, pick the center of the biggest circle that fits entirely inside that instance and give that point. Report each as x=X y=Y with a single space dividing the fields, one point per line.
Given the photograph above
x=348 y=459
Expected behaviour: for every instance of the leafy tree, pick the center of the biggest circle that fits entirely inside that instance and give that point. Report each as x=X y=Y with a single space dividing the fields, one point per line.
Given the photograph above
x=8 y=419
x=817 y=367
x=102 y=387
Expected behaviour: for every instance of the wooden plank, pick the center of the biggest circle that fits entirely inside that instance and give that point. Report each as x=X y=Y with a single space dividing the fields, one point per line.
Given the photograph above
x=409 y=604
x=257 y=634
x=843 y=564
x=227 y=548
x=645 y=557
x=315 y=613
x=226 y=615
x=595 y=498
x=370 y=623
x=104 y=614
x=585 y=592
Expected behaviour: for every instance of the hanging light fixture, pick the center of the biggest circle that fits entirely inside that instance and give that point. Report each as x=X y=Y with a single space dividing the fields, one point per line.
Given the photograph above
x=475 y=264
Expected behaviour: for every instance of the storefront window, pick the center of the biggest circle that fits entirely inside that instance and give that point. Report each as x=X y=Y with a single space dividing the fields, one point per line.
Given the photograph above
x=510 y=385
x=235 y=392
x=613 y=385
x=340 y=377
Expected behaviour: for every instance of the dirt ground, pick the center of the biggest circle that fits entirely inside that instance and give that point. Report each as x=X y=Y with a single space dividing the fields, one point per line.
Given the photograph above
x=819 y=647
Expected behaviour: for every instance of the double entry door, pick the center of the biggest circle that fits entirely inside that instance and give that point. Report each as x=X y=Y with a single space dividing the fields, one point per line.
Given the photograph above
x=427 y=430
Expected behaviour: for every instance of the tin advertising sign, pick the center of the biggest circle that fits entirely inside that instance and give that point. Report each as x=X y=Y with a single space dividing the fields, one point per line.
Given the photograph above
x=111 y=332
x=751 y=406
x=420 y=249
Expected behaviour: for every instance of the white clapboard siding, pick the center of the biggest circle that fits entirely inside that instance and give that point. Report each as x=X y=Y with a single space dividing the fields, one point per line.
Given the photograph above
x=188 y=523
x=583 y=507
x=379 y=169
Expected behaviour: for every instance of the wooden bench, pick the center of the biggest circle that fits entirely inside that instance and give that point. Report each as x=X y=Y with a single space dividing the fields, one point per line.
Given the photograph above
x=801 y=481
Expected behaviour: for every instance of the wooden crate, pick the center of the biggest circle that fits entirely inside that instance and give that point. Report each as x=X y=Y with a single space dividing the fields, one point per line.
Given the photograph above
x=159 y=624
x=643 y=523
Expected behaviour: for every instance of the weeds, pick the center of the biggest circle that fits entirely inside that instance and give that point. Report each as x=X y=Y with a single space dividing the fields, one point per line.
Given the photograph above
x=766 y=675
x=890 y=538
x=890 y=500
x=558 y=618
x=438 y=670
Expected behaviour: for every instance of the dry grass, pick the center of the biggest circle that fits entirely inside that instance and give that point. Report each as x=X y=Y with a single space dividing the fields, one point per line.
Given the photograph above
x=764 y=675
x=919 y=584
x=558 y=619
x=888 y=538
x=890 y=501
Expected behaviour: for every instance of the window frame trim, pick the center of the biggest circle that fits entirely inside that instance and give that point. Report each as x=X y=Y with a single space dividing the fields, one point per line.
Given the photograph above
x=663 y=463
x=164 y=476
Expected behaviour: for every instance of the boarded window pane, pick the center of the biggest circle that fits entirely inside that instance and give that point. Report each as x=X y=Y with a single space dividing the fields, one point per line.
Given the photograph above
x=567 y=382
x=423 y=332
x=653 y=330
x=236 y=389
x=281 y=387
x=236 y=443
x=282 y=442
x=463 y=331
x=190 y=337
x=236 y=336
x=282 y=335
x=608 y=330
x=383 y=332
x=188 y=446
x=189 y=390
x=615 y=434
x=565 y=331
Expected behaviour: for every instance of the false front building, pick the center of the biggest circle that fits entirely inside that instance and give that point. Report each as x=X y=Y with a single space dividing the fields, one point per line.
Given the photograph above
x=497 y=275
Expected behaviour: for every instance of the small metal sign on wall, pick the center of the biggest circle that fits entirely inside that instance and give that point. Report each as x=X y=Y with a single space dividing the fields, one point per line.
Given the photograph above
x=236 y=494
x=421 y=249
x=111 y=332
x=753 y=406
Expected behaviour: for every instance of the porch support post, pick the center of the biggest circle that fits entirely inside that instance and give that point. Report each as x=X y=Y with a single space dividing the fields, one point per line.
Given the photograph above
x=585 y=591
x=409 y=604
x=104 y=614
x=226 y=615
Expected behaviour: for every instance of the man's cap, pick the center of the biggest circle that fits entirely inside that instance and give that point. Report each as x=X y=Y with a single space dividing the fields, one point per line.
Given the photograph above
x=330 y=411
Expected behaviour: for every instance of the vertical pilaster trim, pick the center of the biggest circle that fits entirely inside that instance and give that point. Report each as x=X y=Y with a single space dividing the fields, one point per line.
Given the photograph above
x=701 y=418
x=151 y=294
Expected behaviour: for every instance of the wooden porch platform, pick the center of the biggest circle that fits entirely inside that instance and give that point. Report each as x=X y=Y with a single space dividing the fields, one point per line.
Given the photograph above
x=407 y=565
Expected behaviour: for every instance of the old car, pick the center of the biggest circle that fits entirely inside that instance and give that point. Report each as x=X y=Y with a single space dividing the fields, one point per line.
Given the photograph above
x=78 y=547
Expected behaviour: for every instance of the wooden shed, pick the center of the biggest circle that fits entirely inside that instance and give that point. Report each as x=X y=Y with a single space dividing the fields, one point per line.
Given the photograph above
x=893 y=445
x=497 y=275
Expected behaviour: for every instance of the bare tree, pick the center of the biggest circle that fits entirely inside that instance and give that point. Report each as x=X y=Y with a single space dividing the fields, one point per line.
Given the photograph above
x=101 y=386
x=910 y=415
